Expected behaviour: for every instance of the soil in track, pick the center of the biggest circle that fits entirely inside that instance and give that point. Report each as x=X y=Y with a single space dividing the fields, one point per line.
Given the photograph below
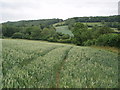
x=60 y=67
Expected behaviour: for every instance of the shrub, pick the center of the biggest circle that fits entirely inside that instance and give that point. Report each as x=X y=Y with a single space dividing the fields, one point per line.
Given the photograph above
x=64 y=40
x=17 y=35
x=52 y=39
x=108 y=40
x=89 y=42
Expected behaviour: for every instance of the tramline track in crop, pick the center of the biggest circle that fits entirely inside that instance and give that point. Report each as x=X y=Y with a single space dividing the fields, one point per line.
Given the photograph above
x=60 y=67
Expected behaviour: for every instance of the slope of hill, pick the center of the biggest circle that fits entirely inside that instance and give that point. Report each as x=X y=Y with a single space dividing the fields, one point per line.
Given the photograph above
x=39 y=64
x=64 y=30
x=34 y=22
x=114 y=18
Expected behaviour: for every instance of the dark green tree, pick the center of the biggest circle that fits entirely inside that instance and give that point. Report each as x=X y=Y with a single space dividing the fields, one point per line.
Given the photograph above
x=79 y=31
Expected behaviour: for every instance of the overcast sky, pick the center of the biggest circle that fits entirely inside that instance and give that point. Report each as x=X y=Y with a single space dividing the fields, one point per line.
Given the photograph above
x=14 y=10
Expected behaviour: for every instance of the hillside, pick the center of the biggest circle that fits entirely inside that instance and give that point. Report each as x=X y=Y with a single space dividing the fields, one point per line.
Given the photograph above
x=64 y=30
x=24 y=23
x=40 y=64
x=114 y=18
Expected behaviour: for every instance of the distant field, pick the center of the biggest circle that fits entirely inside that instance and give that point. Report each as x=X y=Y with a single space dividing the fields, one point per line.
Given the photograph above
x=64 y=30
x=93 y=23
x=99 y=24
x=38 y=64
x=60 y=23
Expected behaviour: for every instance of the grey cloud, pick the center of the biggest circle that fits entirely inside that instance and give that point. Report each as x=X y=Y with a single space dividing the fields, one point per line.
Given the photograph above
x=30 y=9
x=18 y=5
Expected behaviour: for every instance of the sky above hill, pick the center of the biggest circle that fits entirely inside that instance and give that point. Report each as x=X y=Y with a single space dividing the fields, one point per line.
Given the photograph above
x=14 y=10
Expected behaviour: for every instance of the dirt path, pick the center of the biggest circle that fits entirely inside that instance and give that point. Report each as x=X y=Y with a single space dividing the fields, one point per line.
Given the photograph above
x=60 y=68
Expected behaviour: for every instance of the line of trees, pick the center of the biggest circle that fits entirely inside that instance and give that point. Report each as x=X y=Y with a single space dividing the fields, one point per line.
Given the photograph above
x=102 y=36
x=115 y=18
x=110 y=21
x=47 y=33
x=44 y=30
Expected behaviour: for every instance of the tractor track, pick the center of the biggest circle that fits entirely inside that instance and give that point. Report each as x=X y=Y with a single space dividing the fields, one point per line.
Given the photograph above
x=60 y=68
x=28 y=61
